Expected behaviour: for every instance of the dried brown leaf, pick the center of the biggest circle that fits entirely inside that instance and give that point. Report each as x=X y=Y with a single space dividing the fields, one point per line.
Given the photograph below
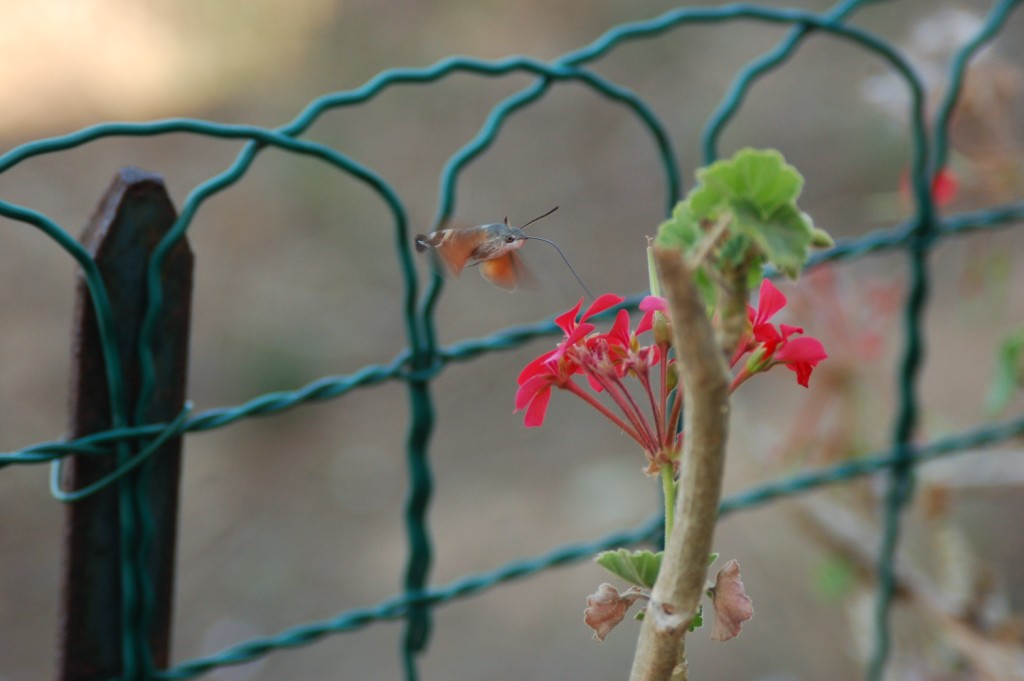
x=732 y=605
x=607 y=607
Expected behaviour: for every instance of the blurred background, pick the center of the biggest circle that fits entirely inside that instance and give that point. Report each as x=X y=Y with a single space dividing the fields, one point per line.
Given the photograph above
x=298 y=517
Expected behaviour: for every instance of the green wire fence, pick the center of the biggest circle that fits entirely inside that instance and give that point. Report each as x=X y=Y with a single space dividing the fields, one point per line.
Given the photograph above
x=132 y=437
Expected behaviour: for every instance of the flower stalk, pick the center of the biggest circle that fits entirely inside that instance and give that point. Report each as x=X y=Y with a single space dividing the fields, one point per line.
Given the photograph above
x=707 y=341
x=705 y=382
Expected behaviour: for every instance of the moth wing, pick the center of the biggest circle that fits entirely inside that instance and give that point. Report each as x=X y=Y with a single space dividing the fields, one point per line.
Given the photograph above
x=456 y=247
x=507 y=271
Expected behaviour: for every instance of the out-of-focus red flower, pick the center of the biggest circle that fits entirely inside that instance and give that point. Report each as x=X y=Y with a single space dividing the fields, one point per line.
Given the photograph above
x=945 y=186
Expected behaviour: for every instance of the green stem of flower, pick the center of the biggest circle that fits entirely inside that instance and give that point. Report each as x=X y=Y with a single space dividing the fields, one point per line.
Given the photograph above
x=614 y=388
x=663 y=377
x=738 y=380
x=672 y=423
x=669 y=416
x=658 y=411
x=589 y=399
x=652 y=271
x=629 y=405
x=669 y=488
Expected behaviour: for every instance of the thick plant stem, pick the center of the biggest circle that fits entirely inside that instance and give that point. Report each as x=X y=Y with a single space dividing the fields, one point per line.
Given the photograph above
x=704 y=378
x=732 y=310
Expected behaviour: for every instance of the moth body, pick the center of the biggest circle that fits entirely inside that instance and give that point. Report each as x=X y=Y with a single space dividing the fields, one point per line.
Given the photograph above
x=491 y=246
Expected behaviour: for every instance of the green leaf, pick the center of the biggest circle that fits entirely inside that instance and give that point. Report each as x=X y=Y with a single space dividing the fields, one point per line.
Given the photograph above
x=821 y=239
x=681 y=231
x=637 y=567
x=735 y=250
x=783 y=236
x=761 y=177
x=1009 y=372
x=755 y=194
x=698 y=619
x=706 y=201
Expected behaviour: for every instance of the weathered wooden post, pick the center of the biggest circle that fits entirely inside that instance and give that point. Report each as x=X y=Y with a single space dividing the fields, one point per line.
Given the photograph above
x=132 y=217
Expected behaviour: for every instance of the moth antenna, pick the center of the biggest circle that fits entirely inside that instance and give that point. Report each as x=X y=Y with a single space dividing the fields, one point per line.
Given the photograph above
x=540 y=218
x=564 y=259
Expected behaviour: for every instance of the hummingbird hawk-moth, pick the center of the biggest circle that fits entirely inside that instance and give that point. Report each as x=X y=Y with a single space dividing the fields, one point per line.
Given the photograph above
x=492 y=247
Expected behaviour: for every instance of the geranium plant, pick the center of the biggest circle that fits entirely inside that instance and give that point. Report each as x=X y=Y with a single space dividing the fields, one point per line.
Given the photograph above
x=694 y=345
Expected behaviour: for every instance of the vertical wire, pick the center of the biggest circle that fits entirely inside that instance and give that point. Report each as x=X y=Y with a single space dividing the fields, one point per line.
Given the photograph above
x=769 y=61
x=901 y=477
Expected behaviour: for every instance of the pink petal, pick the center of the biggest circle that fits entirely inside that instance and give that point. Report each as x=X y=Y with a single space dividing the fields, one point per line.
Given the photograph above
x=579 y=332
x=650 y=305
x=646 y=322
x=769 y=302
x=536 y=367
x=538 y=408
x=620 y=330
x=650 y=355
x=803 y=349
x=803 y=372
x=767 y=335
x=788 y=330
x=567 y=320
x=801 y=355
x=601 y=304
x=654 y=303
x=527 y=391
x=548 y=363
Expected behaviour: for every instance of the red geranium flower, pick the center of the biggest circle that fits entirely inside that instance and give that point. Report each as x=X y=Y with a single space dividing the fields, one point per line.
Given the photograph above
x=555 y=368
x=769 y=345
x=801 y=355
x=612 y=360
x=650 y=305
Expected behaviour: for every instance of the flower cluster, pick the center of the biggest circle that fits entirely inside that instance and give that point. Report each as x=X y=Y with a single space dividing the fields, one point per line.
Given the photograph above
x=607 y=359
x=768 y=345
